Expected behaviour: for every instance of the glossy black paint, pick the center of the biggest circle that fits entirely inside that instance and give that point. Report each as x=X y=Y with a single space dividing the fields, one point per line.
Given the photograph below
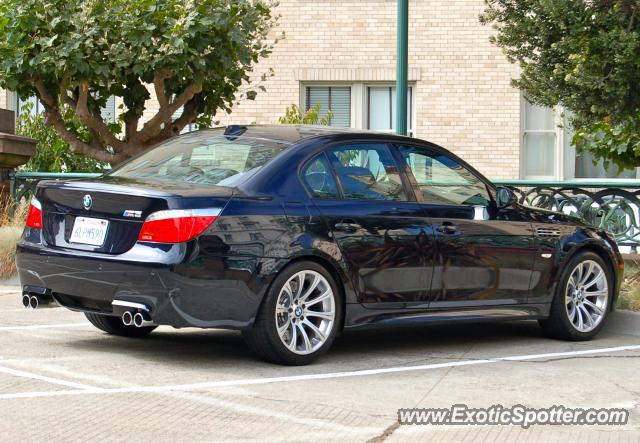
x=397 y=261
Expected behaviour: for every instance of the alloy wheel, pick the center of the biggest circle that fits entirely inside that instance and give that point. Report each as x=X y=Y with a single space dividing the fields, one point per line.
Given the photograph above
x=586 y=296
x=305 y=312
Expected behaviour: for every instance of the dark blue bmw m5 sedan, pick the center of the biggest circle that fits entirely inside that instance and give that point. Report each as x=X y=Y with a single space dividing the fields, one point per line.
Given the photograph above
x=293 y=233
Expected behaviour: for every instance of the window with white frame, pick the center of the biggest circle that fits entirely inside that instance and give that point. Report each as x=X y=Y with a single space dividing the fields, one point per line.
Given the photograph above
x=32 y=104
x=547 y=152
x=336 y=99
x=360 y=105
x=381 y=108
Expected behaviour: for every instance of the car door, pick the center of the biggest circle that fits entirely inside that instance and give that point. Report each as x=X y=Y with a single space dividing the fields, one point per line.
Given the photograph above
x=376 y=223
x=485 y=254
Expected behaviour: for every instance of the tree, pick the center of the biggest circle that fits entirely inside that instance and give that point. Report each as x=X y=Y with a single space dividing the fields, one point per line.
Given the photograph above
x=53 y=154
x=293 y=116
x=75 y=54
x=583 y=55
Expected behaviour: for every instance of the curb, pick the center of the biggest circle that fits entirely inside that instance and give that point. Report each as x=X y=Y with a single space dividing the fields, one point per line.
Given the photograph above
x=623 y=322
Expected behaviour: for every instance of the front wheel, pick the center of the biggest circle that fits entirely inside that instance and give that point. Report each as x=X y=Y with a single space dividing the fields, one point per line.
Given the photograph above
x=581 y=303
x=299 y=317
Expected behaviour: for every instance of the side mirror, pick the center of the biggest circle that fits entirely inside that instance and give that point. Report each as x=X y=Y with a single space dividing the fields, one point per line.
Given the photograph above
x=505 y=197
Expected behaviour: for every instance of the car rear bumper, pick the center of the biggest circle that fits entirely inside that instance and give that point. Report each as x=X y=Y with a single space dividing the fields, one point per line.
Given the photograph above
x=210 y=292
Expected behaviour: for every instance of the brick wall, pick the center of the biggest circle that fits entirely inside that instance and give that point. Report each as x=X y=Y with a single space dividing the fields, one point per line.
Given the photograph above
x=463 y=97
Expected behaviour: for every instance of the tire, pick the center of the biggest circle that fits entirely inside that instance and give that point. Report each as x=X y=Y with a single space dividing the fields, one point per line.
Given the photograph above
x=113 y=325
x=568 y=299
x=290 y=346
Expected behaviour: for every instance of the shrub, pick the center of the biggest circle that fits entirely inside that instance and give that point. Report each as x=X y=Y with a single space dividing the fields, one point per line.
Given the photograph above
x=11 y=226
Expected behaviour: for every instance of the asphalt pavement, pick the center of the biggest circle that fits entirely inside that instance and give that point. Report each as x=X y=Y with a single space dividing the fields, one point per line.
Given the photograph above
x=63 y=380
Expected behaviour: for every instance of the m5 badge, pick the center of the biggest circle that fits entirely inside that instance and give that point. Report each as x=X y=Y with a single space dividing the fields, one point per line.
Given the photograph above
x=132 y=214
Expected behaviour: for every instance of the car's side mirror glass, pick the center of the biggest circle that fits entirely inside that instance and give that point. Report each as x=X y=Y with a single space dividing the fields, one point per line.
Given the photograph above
x=505 y=197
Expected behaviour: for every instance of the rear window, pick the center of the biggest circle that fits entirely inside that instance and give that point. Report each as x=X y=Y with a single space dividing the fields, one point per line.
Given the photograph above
x=206 y=158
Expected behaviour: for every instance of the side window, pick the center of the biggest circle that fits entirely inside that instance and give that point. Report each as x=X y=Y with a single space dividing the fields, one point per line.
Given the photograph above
x=367 y=172
x=442 y=180
x=319 y=179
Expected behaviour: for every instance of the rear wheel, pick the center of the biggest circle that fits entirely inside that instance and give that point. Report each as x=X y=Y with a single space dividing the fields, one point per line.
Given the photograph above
x=581 y=303
x=299 y=317
x=113 y=325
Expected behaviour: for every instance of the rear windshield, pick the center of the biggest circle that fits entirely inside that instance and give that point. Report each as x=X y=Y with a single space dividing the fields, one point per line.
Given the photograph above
x=206 y=158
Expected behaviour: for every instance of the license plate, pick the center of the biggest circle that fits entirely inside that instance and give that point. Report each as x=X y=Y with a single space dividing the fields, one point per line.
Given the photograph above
x=89 y=231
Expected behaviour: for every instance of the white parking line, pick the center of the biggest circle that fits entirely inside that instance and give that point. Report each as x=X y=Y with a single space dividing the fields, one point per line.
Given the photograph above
x=55 y=381
x=54 y=326
x=322 y=376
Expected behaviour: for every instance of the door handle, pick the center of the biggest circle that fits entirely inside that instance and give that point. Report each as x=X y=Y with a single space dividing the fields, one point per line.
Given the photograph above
x=347 y=226
x=447 y=228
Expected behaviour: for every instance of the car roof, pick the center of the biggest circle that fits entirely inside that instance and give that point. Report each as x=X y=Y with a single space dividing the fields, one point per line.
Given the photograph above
x=293 y=134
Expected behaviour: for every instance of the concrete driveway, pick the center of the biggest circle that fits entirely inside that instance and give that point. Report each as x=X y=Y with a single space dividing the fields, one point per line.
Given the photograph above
x=61 y=379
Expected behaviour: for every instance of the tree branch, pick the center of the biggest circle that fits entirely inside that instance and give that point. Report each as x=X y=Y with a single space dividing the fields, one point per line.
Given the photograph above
x=93 y=122
x=158 y=83
x=153 y=127
x=54 y=119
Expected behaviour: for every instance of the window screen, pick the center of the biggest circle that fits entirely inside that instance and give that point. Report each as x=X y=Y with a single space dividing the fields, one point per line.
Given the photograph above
x=336 y=99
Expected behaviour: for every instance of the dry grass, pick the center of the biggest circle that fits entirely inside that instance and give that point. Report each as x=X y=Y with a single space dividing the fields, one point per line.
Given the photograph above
x=630 y=290
x=11 y=226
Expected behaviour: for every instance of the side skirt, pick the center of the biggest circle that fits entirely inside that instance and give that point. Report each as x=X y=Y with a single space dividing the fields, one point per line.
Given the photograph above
x=358 y=317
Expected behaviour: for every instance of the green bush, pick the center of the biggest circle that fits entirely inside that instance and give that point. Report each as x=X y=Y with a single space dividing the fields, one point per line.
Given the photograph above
x=53 y=153
x=293 y=116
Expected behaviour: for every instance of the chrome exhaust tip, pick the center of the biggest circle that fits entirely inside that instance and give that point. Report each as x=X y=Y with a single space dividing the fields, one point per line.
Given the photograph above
x=127 y=318
x=141 y=320
x=37 y=298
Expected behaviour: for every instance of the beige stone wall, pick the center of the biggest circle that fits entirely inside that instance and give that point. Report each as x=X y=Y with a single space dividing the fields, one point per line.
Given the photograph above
x=463 y=97
x=3 y=99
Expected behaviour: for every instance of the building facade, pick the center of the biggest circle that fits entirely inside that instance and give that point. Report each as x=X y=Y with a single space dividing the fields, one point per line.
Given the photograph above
x=341 y=55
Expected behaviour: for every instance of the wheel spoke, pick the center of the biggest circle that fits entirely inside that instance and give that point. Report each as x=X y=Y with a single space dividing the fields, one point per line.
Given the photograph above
x=586 y=316
x=282 y=329
x=305 y=337
x=598 y=293
x=572 y=314
x=597 y=277
x=315 y=330
x=312 y=287
x=580 y=324
x=294 y=337
x=300 y=276
x=585 y=274
x=322 y=315
x=596 y=309
x=325 y=295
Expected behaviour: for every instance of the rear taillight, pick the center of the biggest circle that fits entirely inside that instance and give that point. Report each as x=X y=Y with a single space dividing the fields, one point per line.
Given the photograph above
x=177 y=225
x=34 y=218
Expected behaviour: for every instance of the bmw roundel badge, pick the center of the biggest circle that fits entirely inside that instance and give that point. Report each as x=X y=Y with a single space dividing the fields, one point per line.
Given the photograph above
x=87 y=201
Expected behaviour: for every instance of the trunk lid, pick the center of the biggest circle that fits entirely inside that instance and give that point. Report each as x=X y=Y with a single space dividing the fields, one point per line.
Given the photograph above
x=123 y=203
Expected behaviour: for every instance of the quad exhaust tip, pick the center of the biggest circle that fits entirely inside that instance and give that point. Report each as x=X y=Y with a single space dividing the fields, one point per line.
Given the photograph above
x=127 y=318
x=35 y=301
x=141 y=320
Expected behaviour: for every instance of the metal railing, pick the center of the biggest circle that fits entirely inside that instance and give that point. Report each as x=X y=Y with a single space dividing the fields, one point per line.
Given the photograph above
x=611 y=205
